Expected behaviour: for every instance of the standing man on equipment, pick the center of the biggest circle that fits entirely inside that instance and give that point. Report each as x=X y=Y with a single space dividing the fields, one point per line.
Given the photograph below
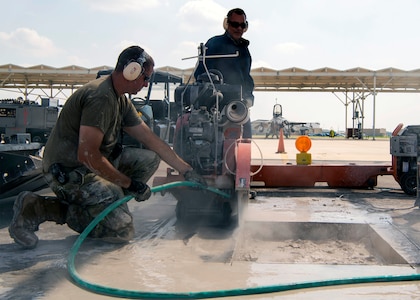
x=235 y=70
x=85 y=164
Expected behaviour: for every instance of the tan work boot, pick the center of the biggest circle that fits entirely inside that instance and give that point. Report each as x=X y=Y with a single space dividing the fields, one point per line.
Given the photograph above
x=30 y=210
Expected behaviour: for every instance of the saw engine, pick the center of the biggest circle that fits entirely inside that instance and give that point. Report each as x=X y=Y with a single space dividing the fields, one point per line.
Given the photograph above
x=210 y=112
x=207 y=134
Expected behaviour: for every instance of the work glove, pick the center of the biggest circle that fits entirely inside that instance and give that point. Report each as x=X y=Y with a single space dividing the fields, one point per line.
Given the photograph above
x=193 y=176
x=139 y=190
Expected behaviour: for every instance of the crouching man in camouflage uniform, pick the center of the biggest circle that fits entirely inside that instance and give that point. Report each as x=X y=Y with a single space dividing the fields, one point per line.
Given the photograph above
x=84 y=166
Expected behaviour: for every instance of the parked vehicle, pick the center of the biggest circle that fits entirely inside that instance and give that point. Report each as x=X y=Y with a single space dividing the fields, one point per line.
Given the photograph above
x=25 y=127
x=405 y=143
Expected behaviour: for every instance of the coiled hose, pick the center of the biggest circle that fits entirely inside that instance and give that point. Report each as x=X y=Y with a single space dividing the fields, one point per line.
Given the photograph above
x=136 y=294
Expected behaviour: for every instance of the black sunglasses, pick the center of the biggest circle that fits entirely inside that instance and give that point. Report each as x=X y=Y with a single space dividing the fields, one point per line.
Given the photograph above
x=237 y=24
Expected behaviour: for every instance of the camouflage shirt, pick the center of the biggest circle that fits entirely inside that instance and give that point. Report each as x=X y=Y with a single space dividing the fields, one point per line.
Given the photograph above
x=95 y=104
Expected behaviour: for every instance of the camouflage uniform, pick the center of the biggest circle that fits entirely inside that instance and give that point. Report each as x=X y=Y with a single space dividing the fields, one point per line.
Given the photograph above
x=87 y=195
x=82 y=194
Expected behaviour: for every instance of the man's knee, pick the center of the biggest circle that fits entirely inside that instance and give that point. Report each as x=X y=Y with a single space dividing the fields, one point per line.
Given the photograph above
x=116 y=227
x=138 y=163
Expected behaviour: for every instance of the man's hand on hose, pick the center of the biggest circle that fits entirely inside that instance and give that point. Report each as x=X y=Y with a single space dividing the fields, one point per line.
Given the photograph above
x=139 y=190
x=193 y=176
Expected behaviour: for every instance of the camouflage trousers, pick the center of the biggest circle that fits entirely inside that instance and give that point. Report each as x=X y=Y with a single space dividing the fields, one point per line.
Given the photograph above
x=88 y=194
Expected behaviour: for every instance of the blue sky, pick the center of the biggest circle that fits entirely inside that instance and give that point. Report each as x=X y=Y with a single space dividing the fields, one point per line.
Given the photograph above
x=307 y=34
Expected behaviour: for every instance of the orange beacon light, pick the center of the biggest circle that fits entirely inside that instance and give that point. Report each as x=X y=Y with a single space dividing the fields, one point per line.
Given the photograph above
x=303 y=144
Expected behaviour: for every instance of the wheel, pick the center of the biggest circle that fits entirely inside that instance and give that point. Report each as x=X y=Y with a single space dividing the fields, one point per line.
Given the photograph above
x=408 y=183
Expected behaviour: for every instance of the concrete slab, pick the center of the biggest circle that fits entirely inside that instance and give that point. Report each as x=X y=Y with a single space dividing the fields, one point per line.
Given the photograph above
x=167 y=257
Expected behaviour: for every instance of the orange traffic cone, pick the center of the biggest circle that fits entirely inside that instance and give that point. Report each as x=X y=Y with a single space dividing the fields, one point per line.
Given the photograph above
x=280 y=147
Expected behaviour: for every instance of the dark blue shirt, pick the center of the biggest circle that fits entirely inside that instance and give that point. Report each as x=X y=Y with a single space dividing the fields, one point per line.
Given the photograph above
x=235 y=70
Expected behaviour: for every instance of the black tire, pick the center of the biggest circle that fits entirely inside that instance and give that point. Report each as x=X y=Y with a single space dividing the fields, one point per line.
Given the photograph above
x=408 y=183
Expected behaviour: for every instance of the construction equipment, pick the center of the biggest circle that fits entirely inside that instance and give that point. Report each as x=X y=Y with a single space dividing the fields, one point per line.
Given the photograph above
x=208 y=137
x=26 y=121
x=25 y=127
x=405 y=143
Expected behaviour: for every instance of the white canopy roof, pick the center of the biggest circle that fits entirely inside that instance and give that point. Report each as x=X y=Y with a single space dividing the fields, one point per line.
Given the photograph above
x=292 y=79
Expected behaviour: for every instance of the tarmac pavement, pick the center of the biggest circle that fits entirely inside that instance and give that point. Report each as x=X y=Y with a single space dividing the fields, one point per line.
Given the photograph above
x=166 y=257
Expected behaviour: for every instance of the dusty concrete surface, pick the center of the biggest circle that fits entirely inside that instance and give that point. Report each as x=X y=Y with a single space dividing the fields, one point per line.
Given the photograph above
x=289 y=236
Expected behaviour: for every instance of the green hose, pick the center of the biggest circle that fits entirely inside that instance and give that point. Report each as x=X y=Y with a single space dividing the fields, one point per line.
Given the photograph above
x=135 y=294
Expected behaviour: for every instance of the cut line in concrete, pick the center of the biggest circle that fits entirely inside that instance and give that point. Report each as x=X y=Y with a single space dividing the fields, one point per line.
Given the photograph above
x=317 y=243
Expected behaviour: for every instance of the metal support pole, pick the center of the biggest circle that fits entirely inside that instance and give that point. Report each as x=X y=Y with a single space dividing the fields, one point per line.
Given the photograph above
x=374 y=105
x=354 y=116
x=346 y=116
x=362 y=111
x=417 y=203
x=26 y=90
